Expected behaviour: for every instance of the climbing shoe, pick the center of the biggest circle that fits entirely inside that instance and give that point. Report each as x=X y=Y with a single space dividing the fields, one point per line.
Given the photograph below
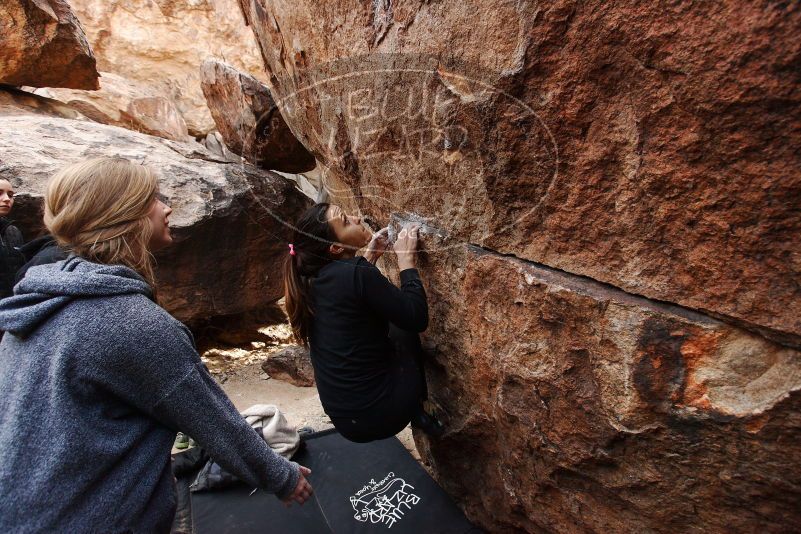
x=428 y=424
x=305 y=431
x=181 y=441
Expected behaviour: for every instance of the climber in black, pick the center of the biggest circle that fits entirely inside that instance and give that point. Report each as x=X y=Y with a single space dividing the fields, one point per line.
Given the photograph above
x=362 y=331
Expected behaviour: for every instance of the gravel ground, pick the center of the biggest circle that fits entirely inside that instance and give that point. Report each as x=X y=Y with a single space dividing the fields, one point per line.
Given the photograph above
x=239 y=372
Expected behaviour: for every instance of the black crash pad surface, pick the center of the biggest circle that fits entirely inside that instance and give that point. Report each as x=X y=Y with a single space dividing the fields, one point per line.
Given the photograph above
x=359 y=488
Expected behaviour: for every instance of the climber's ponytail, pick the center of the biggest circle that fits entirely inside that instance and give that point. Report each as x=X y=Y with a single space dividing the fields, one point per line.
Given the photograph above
x=296 y=296
x=305 y=257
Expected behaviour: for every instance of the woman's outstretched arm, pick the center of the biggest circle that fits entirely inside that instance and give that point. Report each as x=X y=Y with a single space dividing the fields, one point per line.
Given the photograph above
x=160 y=372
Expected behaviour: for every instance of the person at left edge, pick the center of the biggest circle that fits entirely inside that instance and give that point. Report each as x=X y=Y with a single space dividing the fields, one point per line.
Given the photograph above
x=11 y=259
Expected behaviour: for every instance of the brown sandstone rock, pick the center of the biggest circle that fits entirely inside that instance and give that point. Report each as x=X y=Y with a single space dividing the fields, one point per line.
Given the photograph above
x=595 y=139
x=292 y=365
x=249 y=121
x=573 y=406
x=227 y=221
x=14 y=101
x=645 y=146
x=42 y=44
x=128 y=104
x=161 y=43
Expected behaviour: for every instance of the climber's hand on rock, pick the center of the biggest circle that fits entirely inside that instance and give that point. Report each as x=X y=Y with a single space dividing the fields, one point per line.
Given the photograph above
x=377 y=246
x=406 y=246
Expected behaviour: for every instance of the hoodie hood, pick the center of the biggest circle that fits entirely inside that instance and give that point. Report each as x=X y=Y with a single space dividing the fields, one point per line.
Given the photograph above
x=48 y=288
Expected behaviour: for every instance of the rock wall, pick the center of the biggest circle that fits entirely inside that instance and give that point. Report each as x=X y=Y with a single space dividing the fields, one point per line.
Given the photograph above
x=227 y=222
x=15 y=101
x=128 y=104
x=574 y=406
x=42 y=44
x=616 y=285
x=599 y=141
x=248 y=120
x=161 y=43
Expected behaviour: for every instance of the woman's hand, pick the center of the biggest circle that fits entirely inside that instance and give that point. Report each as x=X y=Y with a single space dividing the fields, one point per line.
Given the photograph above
x=377 y=246
x=303 y=489
x=406 y=246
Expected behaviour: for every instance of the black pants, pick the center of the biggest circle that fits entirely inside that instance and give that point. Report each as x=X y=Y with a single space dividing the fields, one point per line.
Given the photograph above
x=403 y=401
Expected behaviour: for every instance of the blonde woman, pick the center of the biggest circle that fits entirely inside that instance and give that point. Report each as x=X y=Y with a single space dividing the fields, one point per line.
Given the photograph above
x=96 y=378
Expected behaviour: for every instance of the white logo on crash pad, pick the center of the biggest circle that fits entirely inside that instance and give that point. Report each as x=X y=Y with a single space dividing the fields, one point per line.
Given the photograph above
x=384 y=501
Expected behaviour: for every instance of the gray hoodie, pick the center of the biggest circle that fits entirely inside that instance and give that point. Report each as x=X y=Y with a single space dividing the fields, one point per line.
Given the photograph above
x=95 y=379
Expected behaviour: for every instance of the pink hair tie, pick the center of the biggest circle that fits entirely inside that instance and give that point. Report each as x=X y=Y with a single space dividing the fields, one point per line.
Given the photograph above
x=291 y=249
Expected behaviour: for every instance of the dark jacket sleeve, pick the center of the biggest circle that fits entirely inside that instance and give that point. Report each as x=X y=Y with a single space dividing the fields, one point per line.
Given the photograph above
x=406 y=308
x=40 y=251
x=165 y=378
x=11 y=259
x=14 y=236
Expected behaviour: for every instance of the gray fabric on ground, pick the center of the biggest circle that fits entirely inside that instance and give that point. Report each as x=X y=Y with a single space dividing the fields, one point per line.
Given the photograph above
x=268 y=422
x=96 y=379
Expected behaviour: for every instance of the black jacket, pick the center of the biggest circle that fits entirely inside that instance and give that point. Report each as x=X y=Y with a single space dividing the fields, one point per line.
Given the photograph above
x=40 y=251
x=353 y=304
x=11 y=258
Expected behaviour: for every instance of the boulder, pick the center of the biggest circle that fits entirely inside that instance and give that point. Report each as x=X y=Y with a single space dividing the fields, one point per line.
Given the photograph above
x=128 y=104
x=243 y=329
x=227 y=222
x=18 y=101
x=214 y=144
x=42 y=44
x=27 y=212
x=303 y=183
x=161 y=43
x=292 y=365
x=611 y=254
x=249 y=120
x=593 y=139
x=573 y=406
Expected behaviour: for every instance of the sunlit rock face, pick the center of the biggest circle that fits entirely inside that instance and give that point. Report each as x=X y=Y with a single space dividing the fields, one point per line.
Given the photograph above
x=228 y=221
x=42 y=44
x=127 y=104
x=162 y=43
x=613 y=260
x=248 y=120
x=15 y=101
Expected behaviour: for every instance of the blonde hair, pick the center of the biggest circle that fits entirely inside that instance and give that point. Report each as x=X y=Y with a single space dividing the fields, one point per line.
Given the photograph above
x=98 y=209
